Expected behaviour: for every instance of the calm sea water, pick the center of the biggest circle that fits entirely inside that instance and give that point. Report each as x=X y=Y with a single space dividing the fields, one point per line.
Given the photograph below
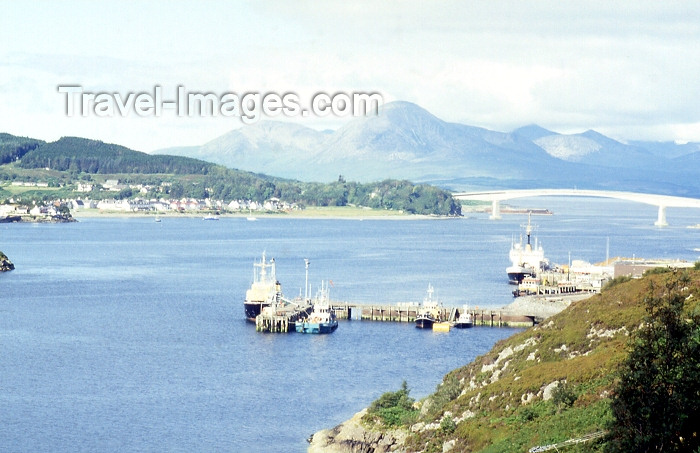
x=129 y=335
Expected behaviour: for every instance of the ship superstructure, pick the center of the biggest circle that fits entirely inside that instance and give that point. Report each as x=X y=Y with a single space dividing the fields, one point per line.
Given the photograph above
x=526 y=260
x=265 y=289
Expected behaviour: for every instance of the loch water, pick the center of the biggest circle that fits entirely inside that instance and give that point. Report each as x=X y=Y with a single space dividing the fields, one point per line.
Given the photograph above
x=123 y=334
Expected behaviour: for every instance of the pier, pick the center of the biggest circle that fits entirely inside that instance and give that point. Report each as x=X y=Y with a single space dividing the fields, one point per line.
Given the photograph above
x=281 y=319
x=407 y=312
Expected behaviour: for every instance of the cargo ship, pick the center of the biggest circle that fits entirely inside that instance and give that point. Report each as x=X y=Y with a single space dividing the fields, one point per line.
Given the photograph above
x=526 y=260
x=264 y=290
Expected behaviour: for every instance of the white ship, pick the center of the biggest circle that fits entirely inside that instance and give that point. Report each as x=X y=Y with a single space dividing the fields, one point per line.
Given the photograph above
x=265 y=288
x=429 y=312
x=526 y=260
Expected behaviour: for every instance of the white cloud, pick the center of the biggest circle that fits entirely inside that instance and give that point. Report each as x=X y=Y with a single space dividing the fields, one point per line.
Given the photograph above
x=626 y=69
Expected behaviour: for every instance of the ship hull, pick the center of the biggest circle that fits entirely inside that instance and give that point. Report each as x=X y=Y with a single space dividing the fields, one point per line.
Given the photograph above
x=516 y=274
x=463 y=325
x=316 y=327
x=424 y=323
x=253 y=309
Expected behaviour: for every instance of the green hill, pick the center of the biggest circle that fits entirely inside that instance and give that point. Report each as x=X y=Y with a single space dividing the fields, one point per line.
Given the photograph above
x=69 y=160
x=13 y=148
x=93 y=156
x=554 y=382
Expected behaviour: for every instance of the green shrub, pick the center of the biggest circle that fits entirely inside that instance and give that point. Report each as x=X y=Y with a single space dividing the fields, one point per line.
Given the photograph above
x=657 y=270
x=448 y=390
x=655 y=405
x=448 y=425
x=616 y=281
x=563 y=396
x=393 y=408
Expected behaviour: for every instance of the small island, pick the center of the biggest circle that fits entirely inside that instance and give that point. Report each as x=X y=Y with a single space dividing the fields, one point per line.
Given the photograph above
x=5 y=263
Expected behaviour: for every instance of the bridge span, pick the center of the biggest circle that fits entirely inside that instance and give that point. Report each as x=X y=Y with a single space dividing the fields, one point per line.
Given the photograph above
x=661 y=201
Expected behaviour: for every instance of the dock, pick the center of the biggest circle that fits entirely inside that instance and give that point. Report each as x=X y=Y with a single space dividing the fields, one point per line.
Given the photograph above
x=525 y=312
x=282 y=318
x=407 y=312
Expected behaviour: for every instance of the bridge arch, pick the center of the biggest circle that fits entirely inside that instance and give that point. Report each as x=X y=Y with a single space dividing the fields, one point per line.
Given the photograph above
x=661 y=201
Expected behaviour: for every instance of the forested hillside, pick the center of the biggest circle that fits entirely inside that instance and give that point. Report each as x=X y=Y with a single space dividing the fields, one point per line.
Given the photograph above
x=93 y=156
x=13 y=148
x=71 y=160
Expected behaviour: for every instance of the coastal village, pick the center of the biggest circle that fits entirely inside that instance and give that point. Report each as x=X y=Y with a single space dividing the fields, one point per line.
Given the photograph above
x=16 y=210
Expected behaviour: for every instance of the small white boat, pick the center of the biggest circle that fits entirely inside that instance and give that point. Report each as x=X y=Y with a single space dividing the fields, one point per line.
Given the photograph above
x=464 y=320
x=251 y=219
x=211 y=217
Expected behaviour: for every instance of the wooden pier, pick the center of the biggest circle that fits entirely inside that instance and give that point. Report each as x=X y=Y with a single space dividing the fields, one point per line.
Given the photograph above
x=407 y=312
x=282 y=319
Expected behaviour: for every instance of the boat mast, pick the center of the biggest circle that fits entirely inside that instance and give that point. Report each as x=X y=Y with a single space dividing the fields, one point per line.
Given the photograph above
x=306 y=284
x=528 y=231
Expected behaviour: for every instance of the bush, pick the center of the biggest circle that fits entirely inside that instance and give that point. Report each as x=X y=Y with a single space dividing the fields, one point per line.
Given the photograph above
x=447 y=391
x=563 y=396
x=657 y=270
x=393 y=408
x=655 y=404
x=616 y=281
x=448 y=425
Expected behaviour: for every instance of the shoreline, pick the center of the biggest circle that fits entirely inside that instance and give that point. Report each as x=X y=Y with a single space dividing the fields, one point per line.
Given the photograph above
x=315 y=213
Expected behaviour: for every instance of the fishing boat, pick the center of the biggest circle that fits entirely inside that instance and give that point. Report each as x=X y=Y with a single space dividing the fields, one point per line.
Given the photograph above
x=322 y=319
x=429 y=312
x=264 y=290
x=526 y=260
x=464 y=320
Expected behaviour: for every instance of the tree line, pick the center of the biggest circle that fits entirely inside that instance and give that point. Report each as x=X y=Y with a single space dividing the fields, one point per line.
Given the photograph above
x=86 y=160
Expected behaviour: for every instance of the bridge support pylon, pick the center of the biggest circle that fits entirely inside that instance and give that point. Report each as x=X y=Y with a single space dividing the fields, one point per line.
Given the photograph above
x=661 y=220
x=495 y=210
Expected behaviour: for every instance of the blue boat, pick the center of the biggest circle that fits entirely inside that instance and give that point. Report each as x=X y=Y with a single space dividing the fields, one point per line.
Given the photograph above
x=322 y=319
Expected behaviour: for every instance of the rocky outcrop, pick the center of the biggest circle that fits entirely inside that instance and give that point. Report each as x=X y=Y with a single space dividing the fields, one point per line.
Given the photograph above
x=5 y=263
x=352 y=437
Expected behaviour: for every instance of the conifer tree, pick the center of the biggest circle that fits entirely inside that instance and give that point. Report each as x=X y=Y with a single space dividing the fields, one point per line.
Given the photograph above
x=656 y=404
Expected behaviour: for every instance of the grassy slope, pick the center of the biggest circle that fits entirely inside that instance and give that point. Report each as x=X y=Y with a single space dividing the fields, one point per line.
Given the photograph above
x=491 y=413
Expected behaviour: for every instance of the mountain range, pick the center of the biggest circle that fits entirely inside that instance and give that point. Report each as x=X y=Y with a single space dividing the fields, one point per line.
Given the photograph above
x=406 y=141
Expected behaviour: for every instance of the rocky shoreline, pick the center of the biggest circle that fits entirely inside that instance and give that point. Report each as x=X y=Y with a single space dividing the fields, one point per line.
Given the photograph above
x=5 y=263
x=351 y=436
x=37 y=219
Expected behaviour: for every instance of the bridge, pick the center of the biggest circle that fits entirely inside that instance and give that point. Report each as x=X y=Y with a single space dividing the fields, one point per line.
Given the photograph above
x=661 y=201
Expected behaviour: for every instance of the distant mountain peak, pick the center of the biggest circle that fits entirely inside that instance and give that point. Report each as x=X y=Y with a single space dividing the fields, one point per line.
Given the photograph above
x=572 y=148
x=532 y=132
x=406 y=141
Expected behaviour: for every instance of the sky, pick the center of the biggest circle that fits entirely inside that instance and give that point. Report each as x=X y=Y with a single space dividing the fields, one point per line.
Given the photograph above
x=626 y=69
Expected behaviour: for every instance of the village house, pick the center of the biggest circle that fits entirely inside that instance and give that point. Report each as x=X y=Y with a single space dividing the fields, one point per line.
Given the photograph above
x=83 y=187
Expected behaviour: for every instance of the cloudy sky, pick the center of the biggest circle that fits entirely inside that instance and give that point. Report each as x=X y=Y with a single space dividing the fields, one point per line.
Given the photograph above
x=626 y=69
